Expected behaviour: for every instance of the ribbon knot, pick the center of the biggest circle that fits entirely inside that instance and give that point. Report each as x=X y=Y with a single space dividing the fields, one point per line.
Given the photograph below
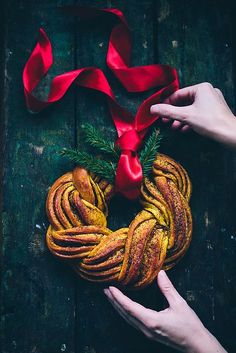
x=129 y=170
x=131 y=131
x=129 y=140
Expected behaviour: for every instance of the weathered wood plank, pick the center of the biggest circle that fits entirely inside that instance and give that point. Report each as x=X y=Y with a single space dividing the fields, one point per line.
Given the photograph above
x=100 y=329
x=225 y=227
x=37 y=306
x=2 y=138
x=172 y=49
x=195 y=37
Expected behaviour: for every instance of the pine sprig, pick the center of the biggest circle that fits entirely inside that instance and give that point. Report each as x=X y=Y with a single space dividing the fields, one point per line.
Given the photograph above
x=95 y=165
x=149 y=151
x=107 y=168
x=94 y=138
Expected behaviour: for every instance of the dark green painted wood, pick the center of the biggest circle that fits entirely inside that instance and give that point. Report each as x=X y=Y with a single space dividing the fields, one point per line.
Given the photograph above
x=98 y=323
x=199 y=43
x=37 y=304
x=45 y=308
x=2 y=139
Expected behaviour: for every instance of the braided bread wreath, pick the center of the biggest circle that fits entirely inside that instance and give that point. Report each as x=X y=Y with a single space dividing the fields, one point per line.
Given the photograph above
x=156 y=238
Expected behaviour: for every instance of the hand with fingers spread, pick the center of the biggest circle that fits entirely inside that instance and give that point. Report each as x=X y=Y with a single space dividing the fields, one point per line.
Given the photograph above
x=177 y=326
x=202 y=108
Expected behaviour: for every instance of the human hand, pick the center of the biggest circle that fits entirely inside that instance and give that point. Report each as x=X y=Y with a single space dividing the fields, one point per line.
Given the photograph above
x=177 y=326
x=201 y=107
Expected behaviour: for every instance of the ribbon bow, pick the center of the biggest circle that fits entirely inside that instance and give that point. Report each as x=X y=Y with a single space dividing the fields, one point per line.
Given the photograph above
x=131 y=130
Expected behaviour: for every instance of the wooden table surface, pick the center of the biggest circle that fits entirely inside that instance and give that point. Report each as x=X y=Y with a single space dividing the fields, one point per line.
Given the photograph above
x=45 y=307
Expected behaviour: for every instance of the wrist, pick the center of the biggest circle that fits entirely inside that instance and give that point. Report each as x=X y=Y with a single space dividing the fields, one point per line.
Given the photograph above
x=202 y=341
x=227 y=133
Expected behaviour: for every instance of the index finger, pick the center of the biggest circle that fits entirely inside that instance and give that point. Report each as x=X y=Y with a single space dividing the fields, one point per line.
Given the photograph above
x=132 y=308
x=184 y=96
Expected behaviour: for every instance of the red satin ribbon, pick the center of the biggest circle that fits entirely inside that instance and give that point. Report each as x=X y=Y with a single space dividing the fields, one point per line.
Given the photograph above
x=131 y=130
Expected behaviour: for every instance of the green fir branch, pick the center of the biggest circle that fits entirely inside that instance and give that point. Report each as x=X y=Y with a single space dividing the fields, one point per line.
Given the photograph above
x=107 y=168
x=93 y=164
x=95 y=139
x=149 y=151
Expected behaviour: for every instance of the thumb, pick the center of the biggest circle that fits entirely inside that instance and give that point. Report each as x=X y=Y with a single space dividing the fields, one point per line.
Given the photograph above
x=170 y=111
x=167 y=289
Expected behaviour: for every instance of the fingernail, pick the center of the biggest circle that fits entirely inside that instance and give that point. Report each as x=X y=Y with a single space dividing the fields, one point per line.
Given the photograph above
x=106 y=291
x=162 y=273
x=154 y=108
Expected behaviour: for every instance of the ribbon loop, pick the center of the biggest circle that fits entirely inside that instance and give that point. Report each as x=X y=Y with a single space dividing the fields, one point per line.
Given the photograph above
x=131 y=131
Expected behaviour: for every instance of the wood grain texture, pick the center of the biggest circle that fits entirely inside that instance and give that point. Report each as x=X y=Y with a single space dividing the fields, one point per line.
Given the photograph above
x=45 y=308
x=100 y=334
x=37 y=306
x=199 y=44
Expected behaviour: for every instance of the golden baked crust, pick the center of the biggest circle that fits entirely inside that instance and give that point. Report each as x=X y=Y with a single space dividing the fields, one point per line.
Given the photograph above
x=156 y=238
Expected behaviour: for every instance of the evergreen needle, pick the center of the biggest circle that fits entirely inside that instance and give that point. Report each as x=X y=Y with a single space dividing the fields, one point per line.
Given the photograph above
x=149 y=152
x=94 y=138
x=93 y=164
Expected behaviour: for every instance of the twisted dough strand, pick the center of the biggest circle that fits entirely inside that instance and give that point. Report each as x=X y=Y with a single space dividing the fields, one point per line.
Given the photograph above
x=157 y=237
